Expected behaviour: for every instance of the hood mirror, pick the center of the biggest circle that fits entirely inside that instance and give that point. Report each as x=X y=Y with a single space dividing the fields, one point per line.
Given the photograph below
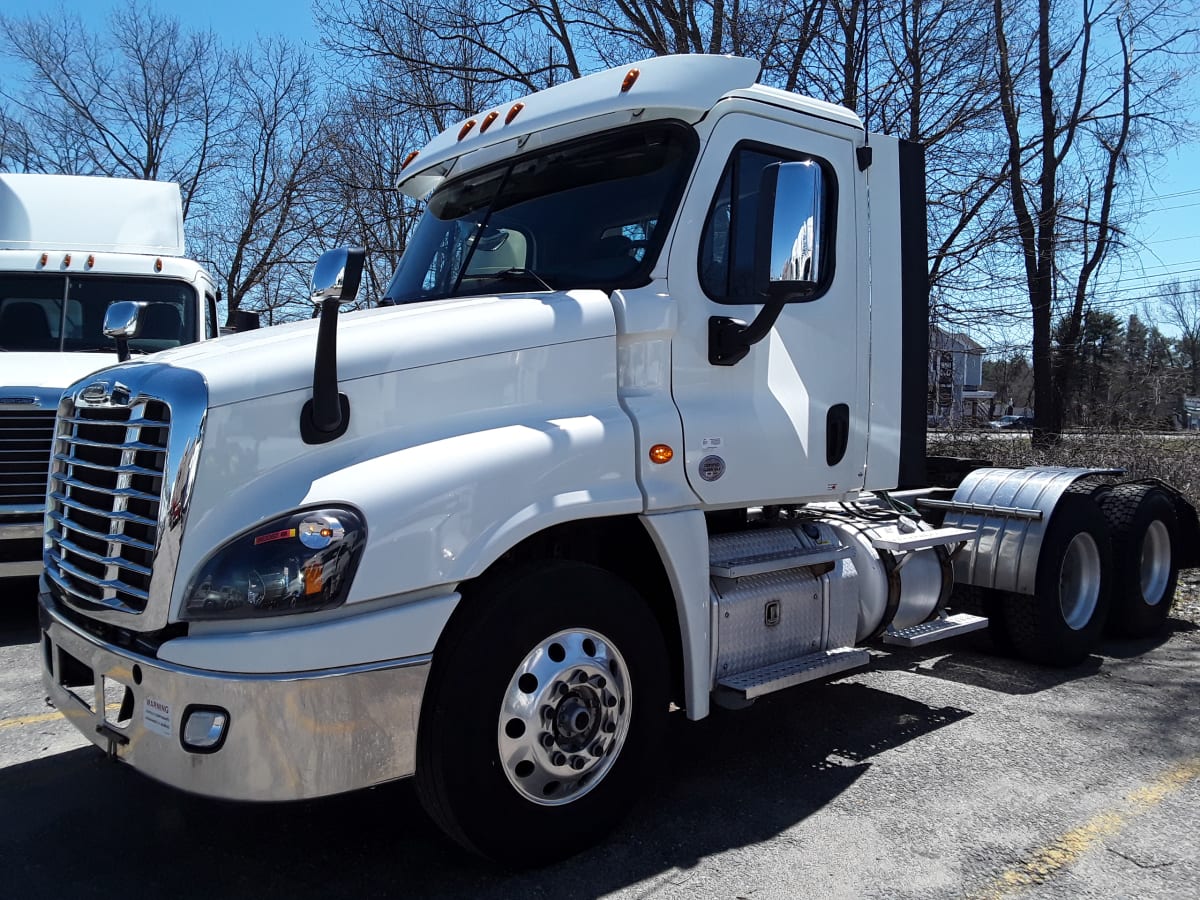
x=122 y=321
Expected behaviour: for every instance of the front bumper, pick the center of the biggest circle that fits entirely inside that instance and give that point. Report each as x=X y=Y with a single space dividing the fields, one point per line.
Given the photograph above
x=289 y=736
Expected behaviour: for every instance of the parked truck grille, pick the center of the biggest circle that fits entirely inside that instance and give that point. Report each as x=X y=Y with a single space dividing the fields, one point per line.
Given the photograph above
x=106 y=483
x=25 y=439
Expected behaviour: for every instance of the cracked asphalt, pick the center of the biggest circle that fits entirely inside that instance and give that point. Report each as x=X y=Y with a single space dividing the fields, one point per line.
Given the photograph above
x=944 y=771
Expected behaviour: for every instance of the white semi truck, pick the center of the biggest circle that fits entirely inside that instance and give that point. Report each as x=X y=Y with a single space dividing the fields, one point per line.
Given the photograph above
x=640 y=424
x=70 y=246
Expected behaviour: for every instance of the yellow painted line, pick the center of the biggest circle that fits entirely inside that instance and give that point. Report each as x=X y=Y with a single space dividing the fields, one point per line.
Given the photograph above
x=1045 y=862
x=41 y=718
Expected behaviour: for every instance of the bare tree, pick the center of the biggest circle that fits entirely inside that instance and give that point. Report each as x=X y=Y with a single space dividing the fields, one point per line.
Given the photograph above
x=145 y=99
x=1181 y=309
x=264 y=218
x=1067 y=160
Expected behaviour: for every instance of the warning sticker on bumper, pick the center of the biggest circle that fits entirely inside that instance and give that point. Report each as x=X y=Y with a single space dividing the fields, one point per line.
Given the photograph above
x=156 y=716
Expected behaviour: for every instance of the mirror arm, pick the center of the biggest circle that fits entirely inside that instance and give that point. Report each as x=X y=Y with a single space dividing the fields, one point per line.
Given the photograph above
x=122 y=347
x=729 y=340
x=327 y=415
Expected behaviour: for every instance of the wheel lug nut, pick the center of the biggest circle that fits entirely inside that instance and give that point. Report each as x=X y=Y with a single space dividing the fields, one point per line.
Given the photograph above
x=547 y=713
x=597 y=681
x=610 y=700
x=578 y=762
x=560 y=687
x=597 y=748
x=558 y=759
x=547 y=740
x=610 y=727
x=578 y=676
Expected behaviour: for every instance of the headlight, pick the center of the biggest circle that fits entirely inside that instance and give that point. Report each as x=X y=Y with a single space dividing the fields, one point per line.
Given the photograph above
x=297 y=563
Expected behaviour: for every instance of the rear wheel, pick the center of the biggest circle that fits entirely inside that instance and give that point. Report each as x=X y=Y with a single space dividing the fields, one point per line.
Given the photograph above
x=546 y=699
x=1063 y=620
x=1144 y=526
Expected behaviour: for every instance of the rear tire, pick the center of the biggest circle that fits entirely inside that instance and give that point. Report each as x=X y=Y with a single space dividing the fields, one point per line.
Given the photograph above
x=548 y=695
x=1062 y=622
x=1144 y=533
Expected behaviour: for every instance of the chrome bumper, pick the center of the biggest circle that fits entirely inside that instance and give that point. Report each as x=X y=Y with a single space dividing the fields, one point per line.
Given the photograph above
x=289 y=736
x=22 y=531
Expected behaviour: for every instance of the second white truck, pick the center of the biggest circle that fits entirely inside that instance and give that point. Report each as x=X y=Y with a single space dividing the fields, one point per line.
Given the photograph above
x=641 y=423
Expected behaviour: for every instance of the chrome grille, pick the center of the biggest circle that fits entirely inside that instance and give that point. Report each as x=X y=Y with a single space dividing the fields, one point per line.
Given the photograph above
x=25 y=439
x=106 y=486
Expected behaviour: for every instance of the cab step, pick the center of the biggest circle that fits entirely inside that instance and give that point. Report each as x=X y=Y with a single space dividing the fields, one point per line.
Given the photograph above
x=939 y=629
x=789 y=672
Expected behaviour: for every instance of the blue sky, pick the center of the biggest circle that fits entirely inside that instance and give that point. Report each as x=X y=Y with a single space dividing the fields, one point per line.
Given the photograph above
x=1169 y=232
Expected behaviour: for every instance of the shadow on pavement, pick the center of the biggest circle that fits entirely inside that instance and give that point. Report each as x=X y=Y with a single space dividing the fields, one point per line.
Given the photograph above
x=18 y=611
x=89 y=828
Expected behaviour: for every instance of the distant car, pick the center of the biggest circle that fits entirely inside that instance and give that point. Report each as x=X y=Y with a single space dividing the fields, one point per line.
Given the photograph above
x=1023 y=423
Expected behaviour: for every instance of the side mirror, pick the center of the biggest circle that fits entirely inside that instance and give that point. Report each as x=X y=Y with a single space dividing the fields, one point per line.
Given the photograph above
x=791 y=228
x=336 y=276
x=122 y=321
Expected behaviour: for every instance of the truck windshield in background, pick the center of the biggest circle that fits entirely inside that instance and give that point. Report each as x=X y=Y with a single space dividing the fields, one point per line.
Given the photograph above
x=589 y=214
x=65 y=313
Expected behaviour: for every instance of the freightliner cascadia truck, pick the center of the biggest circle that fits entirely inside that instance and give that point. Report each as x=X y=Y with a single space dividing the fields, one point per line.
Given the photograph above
x=637 y=428
x=70 y=246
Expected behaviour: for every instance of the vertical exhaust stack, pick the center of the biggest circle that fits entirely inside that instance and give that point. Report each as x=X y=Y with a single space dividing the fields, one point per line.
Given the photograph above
x=335 y=281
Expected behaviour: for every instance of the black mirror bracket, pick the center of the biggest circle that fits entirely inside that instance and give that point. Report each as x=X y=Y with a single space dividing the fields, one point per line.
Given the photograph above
x=729 y=340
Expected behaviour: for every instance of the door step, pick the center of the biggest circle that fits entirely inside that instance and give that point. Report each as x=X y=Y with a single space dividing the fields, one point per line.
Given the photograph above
x=780 y=675
x=938 y=629
x=897 y=541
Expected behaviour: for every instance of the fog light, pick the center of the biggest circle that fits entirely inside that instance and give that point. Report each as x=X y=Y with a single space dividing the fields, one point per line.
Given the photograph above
x=204 y=728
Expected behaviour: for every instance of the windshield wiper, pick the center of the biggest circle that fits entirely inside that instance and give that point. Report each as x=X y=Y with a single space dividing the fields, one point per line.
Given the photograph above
x=509 y=274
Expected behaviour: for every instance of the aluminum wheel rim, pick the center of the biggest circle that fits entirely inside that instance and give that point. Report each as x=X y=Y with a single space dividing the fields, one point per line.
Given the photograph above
x=564 y=717
x=1079 y=581
x=1156 y=562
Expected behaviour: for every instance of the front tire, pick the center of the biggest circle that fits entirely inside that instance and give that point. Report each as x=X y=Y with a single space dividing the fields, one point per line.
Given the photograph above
x=1062 y=622
x=1144 y=528
x=547 y=696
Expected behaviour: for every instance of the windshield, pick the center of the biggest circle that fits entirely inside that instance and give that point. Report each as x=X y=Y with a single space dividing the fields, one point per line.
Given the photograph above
x=52 y=312
x=591 y=214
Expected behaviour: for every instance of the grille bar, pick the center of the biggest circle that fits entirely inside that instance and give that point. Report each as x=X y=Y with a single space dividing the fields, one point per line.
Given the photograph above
x=115 y=538
x=138 y=423
x=79 y=551
x=119 y=470
x=26 y=438
x=119 y=515
x=114 y=492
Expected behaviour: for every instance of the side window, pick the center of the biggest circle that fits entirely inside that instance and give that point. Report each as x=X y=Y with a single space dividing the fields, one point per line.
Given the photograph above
x=728 y=244
x=210 y=316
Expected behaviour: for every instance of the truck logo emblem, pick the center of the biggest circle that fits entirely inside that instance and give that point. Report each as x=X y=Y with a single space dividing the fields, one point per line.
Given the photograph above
x=95 y=393
x=712 y=468
x=100 y=393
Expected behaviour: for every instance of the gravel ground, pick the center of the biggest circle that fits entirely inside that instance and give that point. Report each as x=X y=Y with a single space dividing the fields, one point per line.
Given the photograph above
x=1187 y=597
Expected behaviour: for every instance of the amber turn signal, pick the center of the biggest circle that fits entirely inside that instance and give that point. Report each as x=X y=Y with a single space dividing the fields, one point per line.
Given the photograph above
x=661 y=453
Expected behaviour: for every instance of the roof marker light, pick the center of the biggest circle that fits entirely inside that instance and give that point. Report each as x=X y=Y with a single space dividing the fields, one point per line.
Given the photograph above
x=488 y=120
x=158 y=264
x=466 y=129
x=409 y=159
x=513 y=113
x=630 y=77
x=67 y=261
x=91 y=260
x=45 y=258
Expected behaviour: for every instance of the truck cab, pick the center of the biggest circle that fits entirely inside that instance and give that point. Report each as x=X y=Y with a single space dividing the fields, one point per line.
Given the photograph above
x=637 y=426
x=70 y=247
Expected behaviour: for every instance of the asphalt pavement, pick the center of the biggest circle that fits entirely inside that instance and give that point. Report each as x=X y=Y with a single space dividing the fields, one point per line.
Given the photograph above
x=944 y=771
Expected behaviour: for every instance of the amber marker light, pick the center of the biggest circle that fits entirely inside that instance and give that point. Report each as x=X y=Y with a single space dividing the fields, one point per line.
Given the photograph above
x=466 y=129
x=488 y=120
x=91 y=260
x=44 y=260
x=661 y=454
x=513 y=113
x=67 y=260
x=409 y=159
x=158 y=264
x=630 y=78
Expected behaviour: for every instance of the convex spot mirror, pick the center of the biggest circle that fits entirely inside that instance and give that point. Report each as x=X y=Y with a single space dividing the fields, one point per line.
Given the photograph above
x=790 y=262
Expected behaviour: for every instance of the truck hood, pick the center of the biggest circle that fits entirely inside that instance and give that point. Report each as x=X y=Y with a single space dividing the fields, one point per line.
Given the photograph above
x=279 y=359
x=47 y=371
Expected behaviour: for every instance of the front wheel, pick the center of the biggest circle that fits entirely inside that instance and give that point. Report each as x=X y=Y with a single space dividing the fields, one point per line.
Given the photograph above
x=547 y=696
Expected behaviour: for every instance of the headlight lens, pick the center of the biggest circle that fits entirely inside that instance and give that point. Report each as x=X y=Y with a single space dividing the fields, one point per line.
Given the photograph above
x=297 y=563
